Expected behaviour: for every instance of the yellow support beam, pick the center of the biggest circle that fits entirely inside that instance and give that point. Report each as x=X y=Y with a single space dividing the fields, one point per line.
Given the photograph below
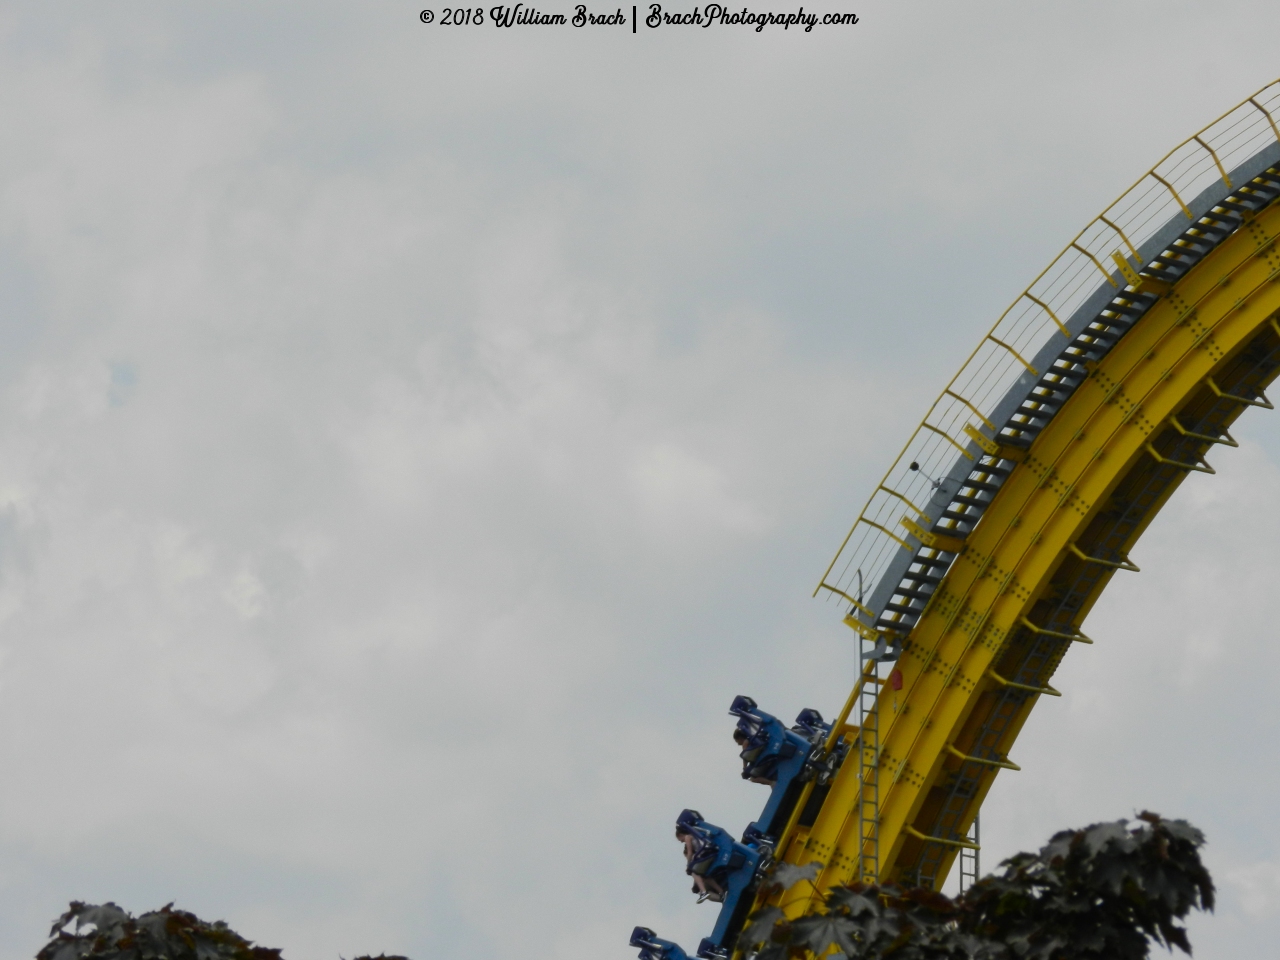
x=1078 y=636
x=1124 y=564
x=1264 y=402
x=1230 y=441
x=1005 y=764
x=1023 y=686
x=966 y=844
x=1201 y=467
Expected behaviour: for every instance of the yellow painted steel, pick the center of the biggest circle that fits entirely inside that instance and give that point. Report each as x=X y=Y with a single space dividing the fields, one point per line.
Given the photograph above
x=1035 y=319
x=1030 y=529
x=1164 y=372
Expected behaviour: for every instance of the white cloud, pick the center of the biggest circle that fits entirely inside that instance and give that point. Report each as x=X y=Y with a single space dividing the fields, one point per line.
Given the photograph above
x=409 y=444
x=1258 y=887
x=680 y=492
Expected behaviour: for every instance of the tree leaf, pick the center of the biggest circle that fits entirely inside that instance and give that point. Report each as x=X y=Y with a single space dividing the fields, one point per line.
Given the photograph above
x=855 y=902
x=787 y=875
x=760 y=927
x=820 y=932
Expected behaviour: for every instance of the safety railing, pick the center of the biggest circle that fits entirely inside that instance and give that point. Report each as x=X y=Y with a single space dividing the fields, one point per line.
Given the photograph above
x=1101 y=252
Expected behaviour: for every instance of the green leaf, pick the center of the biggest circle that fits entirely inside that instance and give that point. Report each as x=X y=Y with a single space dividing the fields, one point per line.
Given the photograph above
x=760 y=927
x=822 y=931
x=787 y=875
x=855 y=902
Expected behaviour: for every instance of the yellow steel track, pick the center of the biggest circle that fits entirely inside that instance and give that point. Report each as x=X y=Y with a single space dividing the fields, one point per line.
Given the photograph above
x=1059 y=517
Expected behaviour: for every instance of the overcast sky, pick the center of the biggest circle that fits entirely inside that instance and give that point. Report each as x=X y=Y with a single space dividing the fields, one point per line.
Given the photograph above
x=412 y=438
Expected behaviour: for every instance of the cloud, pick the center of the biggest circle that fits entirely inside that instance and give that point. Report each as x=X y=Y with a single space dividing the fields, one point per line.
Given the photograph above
x=1258 y=887
x=678 y=490
x=409 y=445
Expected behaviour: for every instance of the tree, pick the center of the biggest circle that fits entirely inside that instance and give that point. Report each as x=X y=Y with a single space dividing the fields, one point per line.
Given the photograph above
x=1105 y=892
x=107 y=932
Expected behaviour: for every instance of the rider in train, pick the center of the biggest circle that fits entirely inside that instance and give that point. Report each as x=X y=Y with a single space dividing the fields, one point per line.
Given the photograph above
x=718 y=864
x=776 y=756
x=697 y=849
x=767 y=745
x=724 y=871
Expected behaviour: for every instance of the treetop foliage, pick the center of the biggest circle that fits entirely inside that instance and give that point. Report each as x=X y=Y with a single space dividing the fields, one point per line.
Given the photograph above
x=107 y=932
x=1105 y=892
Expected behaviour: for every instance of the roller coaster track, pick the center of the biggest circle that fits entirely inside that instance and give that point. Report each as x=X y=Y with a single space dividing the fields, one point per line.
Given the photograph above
x=1024 y=489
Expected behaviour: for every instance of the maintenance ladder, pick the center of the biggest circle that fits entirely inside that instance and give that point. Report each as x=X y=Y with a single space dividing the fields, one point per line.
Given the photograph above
x=969 y=858
x=868 y=714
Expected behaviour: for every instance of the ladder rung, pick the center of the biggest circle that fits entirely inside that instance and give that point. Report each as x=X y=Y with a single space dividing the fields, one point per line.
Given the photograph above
x=1259 y=194
x=930 y=561
x=912 y=594
x=1069 y=375
x=1102 y=330
x=1214 y=226
x=1065 y=373
x=1083 y=352
x=1116 y=307
x=900 y=608
x=1120 y=324
x=987 y=466
x=980 y=485
x=1234 y=201
x=921 y=578
x=1053 y=387
x=1040 y=412
x=1009 y=440
x=892 y=630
